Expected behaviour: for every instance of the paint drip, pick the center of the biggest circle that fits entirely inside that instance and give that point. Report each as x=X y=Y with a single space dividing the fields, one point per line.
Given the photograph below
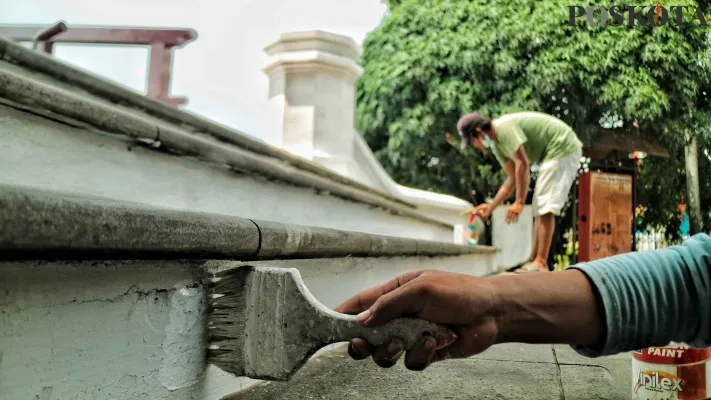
x=674 y=372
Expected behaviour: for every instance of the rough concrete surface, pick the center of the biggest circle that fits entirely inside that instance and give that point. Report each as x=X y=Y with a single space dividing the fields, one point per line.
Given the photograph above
x=34 y=221
x=494 y=374
x=114 y=330
x=100 y=330
x=37 y=152
x=133 y=329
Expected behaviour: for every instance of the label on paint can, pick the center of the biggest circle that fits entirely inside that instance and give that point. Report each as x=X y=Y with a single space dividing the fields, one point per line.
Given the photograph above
x=472 y=231
x=674 y=372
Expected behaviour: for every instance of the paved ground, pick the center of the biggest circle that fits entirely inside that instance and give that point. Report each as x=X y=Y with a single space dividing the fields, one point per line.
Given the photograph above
x=511 y=371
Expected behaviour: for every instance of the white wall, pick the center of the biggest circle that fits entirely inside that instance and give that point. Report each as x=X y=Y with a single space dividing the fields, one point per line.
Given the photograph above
x=134 y=329
x=40 y=153
x=515 y=240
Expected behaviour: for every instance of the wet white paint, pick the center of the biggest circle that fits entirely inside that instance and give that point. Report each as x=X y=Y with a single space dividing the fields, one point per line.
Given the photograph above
x=184 y=342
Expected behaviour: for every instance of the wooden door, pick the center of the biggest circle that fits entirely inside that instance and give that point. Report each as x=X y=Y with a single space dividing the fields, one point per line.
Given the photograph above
x=604 y=215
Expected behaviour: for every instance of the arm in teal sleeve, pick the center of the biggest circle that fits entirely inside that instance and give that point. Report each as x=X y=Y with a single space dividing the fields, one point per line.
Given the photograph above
x=652 y=298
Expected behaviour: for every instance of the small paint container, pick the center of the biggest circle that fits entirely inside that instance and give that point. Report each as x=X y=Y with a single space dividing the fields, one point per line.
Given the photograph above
x=472 y=230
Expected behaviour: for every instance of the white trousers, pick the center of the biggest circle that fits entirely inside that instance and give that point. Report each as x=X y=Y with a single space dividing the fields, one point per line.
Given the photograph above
x=555 y=178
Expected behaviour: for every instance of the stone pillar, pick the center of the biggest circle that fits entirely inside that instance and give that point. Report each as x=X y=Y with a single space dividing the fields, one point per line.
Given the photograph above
x=312 y=91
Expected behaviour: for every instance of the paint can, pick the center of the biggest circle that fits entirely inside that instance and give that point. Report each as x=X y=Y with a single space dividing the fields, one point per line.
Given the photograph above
x=472 y=230
x=471 y=233
x=674 y=372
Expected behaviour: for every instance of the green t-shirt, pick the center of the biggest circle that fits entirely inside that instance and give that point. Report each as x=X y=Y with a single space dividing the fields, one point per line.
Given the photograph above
x=543 y=136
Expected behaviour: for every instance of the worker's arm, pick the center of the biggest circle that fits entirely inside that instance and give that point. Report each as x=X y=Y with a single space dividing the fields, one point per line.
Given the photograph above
x=653 y=298
x=507 y=188
x=624 y=303
x=621 y=303
x=522 y=173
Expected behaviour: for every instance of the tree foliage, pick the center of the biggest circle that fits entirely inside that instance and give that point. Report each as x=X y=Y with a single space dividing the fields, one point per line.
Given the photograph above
x=432 y=60
x=661 y=187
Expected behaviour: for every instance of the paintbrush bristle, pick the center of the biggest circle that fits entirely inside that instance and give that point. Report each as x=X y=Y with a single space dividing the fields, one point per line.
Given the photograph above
x=264 y=324
x=227 y=319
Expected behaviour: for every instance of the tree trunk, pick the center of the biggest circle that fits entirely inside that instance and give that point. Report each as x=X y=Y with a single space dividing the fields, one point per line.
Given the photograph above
x=692 y=183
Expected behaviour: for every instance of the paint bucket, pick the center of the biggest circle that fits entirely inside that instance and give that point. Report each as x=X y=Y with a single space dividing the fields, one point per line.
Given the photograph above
x=469 y=234
x=675 y=372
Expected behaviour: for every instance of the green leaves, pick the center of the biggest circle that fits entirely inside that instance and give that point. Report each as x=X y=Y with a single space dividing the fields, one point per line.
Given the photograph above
x=433 y=60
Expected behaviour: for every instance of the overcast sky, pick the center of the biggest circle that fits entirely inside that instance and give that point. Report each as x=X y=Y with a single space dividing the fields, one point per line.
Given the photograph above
x=220 y=72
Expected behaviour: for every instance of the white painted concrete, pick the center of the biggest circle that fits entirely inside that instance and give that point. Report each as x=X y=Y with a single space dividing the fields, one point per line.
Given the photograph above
x=134 y=330
x=100 y=330
x=37 y=152
x=512 y=251
x=312 y=76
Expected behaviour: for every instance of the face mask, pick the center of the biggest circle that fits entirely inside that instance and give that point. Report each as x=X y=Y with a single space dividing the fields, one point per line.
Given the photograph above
x=487 y=142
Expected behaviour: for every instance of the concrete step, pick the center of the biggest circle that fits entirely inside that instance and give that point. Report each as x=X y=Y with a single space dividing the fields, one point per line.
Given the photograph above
x=36 y=223
x=512 y=371
x=106 y=299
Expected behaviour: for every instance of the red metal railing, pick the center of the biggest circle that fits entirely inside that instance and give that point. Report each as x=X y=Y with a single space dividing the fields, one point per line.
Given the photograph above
x=161 y=42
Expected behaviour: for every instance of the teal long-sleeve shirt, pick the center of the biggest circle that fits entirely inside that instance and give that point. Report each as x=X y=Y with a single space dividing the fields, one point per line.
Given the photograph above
x=652 y=298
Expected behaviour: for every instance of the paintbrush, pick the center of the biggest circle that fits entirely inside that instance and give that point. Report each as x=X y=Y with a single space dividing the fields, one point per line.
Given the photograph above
x=264 y=323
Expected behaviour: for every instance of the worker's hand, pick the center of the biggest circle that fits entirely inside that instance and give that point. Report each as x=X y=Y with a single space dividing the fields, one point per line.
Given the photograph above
x=513 y=212
x=462 y=303
x=484 y=210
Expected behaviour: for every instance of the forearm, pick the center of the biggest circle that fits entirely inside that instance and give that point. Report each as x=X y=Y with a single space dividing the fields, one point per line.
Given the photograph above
x=556 y=307
x=621 y=303
x=523 y=178
x=653 y=298
x=504 y=192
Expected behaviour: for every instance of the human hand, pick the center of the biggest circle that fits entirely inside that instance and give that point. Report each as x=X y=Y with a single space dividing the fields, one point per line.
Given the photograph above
x=513 y=212
x=463 y=303
x=484 y=210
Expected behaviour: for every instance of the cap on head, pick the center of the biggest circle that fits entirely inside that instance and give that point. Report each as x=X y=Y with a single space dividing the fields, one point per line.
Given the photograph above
x=466 y=127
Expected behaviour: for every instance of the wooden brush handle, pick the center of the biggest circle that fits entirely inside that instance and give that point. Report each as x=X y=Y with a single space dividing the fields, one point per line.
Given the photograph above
x=409 y=330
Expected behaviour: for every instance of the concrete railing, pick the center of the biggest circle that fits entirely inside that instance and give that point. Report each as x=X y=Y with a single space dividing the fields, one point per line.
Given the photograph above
x=102 y=287
x=38 y=224
x=91 y=284
x=312 y=91
x=116 y=94
x=102 y=115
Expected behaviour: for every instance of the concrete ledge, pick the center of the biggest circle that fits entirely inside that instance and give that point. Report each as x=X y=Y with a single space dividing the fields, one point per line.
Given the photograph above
x=340 y=45
x=118 y=329
x=121 y=95
x=51 y=100
x=65 y=103
x=312 y=61
x=39 y=224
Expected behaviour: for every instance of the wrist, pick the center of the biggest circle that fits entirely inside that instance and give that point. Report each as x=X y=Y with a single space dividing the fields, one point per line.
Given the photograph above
x=558 y=307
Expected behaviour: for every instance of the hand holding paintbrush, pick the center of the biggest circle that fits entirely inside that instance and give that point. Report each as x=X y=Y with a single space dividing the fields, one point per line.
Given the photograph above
x=265 y=324
x=465 y=304
x=483 y=210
